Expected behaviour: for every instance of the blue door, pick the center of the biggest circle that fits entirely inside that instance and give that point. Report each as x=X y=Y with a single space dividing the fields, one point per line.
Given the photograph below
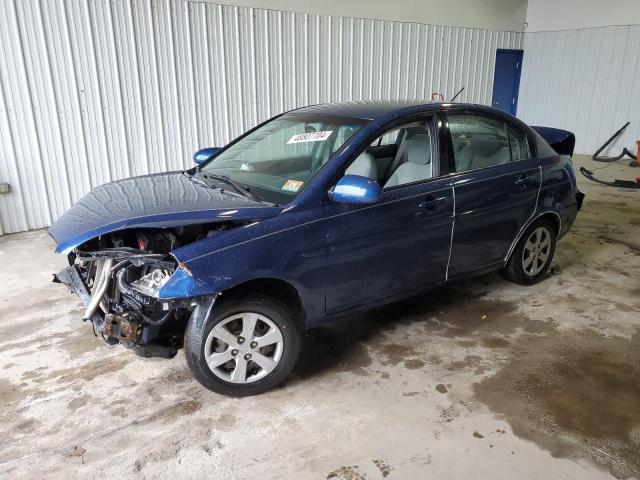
x=496 y=189
x=389 y=249
x=399 y=245
x=506 y=80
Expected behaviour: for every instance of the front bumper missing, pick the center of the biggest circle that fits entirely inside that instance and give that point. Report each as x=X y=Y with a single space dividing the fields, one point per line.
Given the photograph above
x=147 y=338
x=71 y=278
x=110 y=328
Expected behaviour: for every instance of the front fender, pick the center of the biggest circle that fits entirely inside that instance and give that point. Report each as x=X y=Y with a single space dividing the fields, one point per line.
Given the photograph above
x=289 y=247
x=185 y=285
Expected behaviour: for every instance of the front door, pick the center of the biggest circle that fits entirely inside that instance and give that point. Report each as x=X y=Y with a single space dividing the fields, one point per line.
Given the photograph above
x=401 y=244
x=506 y=80
x=496 y=188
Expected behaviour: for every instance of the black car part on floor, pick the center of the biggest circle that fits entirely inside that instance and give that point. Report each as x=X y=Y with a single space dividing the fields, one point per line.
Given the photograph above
x=614 y=183
x=596 y=156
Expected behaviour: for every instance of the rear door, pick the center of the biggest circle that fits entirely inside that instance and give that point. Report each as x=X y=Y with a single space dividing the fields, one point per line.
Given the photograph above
x=496 y=187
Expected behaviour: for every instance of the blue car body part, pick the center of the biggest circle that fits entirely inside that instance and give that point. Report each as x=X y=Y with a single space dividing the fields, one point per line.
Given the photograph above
x=344 y=242
x=204 y=154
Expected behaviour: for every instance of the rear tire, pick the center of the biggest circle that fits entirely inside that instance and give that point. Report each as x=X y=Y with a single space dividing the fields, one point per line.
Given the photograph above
x=247 y=346
x=533 y=254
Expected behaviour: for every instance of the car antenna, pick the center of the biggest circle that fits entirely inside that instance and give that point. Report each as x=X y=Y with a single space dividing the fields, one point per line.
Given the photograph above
x=456 y=95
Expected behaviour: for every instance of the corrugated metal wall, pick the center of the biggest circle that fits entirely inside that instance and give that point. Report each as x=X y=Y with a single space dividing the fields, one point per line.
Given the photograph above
x=586 y=81
x=97 y=90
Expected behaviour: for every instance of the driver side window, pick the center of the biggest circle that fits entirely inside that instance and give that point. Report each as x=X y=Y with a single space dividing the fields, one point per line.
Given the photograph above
x=400 y=156
x=413 y=159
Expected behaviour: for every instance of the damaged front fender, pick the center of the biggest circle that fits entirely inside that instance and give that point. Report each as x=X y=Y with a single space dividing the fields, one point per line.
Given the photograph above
x=182 y=284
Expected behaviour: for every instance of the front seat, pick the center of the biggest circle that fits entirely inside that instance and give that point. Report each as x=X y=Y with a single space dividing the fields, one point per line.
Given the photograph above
x=365 y=166
x=418 y=164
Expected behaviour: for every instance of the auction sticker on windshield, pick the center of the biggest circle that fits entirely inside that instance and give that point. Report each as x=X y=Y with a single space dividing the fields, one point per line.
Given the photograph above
x=310 y=137
x=292 y=185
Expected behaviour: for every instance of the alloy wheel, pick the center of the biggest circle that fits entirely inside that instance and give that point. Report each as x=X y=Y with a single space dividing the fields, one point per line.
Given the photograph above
x=536 y=251
x=243 y=347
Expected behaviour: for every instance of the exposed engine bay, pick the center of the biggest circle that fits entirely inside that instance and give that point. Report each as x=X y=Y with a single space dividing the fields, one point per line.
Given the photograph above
x=118 y=276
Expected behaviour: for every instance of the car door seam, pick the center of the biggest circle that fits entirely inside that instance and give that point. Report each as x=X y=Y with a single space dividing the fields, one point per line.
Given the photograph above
x=520 y=172
x=453 y=223
x=531 y=218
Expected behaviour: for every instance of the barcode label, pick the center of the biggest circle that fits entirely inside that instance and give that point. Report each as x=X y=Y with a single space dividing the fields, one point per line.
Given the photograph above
x=310 y=137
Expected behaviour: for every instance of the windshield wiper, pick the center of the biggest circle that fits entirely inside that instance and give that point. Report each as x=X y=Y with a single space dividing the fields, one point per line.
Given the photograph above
x=236 y=186
x=195 y=178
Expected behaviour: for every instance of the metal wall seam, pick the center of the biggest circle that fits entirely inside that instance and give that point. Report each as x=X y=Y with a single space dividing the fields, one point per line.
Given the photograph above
x=141 y=133
x=13 y=211
x=52 y=139
x=21 y=82
x=92 y=91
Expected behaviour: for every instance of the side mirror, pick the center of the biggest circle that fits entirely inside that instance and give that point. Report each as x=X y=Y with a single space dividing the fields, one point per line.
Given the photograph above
x=356 y=189
x=205 y=154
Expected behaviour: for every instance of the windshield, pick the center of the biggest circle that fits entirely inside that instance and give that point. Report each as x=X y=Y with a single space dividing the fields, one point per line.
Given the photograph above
x=275 y=161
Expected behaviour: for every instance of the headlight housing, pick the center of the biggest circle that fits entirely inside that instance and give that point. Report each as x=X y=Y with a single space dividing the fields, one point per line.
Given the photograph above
x=151 y=283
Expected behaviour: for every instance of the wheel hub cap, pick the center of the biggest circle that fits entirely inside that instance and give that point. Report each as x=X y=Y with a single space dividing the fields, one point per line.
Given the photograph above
x=536 y=251
x=244 y=347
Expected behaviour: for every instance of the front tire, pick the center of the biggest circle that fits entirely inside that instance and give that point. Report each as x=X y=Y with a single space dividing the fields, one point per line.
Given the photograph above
x=247 y=346
x=533 y=254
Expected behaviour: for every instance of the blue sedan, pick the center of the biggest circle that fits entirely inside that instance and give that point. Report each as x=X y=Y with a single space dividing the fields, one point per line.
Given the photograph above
x=316 y=212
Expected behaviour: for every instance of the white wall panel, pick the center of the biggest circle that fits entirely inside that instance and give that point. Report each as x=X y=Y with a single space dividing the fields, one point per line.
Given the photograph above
x=96 y=90
x=551 y=15
x=586 y=81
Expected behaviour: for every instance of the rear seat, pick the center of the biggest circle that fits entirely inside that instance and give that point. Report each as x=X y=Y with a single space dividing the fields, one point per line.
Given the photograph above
x=481 y=153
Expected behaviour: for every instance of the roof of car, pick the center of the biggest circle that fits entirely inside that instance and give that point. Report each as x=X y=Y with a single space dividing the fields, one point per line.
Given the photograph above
x=365 y=109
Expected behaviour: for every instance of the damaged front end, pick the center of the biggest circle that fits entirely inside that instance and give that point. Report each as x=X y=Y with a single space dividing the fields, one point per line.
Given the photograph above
x=118 y=277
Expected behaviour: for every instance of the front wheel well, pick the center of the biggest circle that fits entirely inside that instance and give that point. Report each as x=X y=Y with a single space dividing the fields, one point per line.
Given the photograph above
x=272 y=287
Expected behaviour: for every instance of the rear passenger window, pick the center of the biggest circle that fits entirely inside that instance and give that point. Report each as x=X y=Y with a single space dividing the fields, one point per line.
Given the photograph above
x=518 y=140
x=478 y=142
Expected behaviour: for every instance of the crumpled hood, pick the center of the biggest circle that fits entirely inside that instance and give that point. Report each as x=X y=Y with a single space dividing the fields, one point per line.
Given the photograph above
x=159 y=200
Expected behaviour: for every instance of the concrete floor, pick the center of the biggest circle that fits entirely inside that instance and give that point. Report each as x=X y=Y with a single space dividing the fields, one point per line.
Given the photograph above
x=482 y=379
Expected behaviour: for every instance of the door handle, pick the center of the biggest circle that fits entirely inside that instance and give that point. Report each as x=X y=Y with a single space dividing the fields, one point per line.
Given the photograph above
x=522 y=181
x=433 y=203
